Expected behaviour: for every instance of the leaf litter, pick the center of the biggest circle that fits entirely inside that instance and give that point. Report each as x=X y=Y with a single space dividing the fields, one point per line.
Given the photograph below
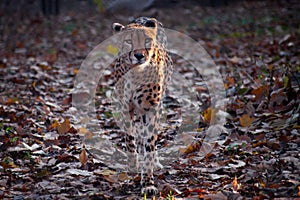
x=256 y=156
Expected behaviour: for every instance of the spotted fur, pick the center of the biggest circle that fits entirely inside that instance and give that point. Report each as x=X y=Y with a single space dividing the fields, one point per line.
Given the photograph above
x=142 y=71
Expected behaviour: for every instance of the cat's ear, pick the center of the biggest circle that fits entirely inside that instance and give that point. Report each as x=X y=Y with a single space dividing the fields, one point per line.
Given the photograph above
x=117 y=27
x=151 y=23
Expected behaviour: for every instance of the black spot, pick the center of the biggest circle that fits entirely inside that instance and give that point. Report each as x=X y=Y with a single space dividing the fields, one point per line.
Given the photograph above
x=158 y=88
x=132 y=146
x=148 y=148
x=146 y=109
x=130 y=137
x=149 y=85
x=154 y=87
x=140 y=96
x=145 y=91
x=152 y=103
x=139 y=101
x=155 y=95
x=148 y=97
x=150 y=90
x=144 y=119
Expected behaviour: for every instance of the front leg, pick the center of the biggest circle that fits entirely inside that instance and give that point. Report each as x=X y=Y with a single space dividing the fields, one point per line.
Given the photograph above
x=147 y=181
x=146 y=103
x=148 y=186
x=132 y=154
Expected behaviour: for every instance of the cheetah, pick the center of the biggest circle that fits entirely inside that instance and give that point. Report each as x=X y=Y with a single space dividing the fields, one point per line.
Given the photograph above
x=142 y=71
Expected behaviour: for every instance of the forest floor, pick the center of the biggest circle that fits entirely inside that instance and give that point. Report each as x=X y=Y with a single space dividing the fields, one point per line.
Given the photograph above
x=44 y=154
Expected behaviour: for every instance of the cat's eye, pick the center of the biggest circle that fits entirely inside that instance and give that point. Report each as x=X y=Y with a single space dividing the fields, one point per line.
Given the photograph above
x=148 y=40
x=128 y=41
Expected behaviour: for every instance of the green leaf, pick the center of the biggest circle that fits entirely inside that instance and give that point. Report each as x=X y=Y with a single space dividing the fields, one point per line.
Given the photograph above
x=242 y=91
x=285 y=81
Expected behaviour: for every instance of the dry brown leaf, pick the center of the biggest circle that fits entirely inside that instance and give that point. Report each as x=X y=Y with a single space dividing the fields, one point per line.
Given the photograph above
x=246 y=120
x=64 y=127
x=110 y=178
x=83 y=131
x=123 y=177
x=105 y=172
x=44 y=66
x=209 y=114
x=8 y=163
x=230 y=82
x=191 y=147
x=260 y=92
x=75 y=71
x=235 y=184
x=83 y=158
x=53 y=125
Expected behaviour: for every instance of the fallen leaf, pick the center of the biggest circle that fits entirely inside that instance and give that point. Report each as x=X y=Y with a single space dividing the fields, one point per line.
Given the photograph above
x=88 y=134
x=53 y=125
x=191 y=147
x=42 y=173
x=79 y=172
x=31 y=148
x=207 y=115
x=235 y=185
x=217 y=176
x=238 y=164
x=123 y=177
x=234 y=60
x=110 y=178
x=260 y=92
x=8 y=162
x=105 y=172
x=64 y=127
x=246 y=120
x=83 y=158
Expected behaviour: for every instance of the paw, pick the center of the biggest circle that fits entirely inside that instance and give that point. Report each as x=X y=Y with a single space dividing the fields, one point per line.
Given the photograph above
x=150 y=190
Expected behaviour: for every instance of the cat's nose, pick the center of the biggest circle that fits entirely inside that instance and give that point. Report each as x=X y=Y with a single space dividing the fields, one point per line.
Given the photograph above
x=139 y=56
